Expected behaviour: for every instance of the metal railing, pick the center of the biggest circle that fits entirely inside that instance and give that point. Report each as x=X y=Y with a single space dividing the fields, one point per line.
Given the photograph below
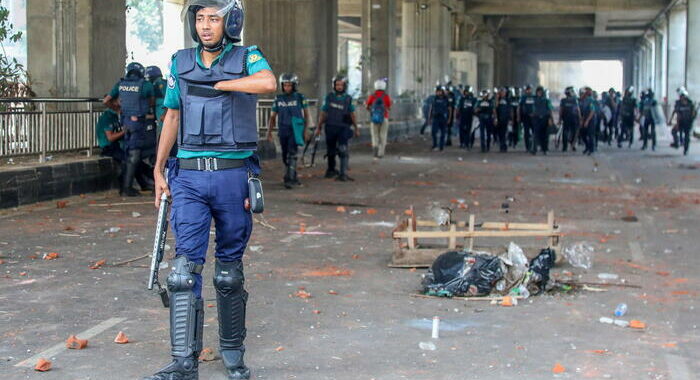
x=47 y=125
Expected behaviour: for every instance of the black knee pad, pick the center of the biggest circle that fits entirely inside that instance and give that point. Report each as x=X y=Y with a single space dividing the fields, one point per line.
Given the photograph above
x=228 y=277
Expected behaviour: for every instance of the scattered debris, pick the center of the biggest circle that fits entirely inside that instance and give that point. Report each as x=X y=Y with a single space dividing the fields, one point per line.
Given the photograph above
x=61 y=204
x=303 y=294
x=279 y=349
x=121 y=338
x=441 y=215
x=264 y=223
x=98 y=264
x=637 y=324
x=580 y=255
x=73 y=343
x=51 y=256
x=371 y=211
x=135 y=214
x=328 y=271
x=112 y=230
x=42 y=365
x=207 y=355
x=558 y=369
x=355 y=212
x=608 y=276
x=427 y=346
x=341 y=209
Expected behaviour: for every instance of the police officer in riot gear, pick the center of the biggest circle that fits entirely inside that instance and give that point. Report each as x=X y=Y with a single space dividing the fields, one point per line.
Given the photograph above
x=527 y=108
x=628 y=112
x=541 y=119
x=648 y=108
x=569 y=118
x=514 y=99
x=465 y=115
x=504 y=116
x=588 y=115
x=136 y=98
x=440 y=117
x=211 y=99
x=290 y=112
x=338 y=114
x=486 y=112
x=686 y=112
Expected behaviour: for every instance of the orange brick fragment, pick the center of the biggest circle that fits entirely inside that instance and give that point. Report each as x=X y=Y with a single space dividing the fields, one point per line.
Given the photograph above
x=61 y=204
x=207 y=355
x=280 y=348
x=507 y=301
x=638 y=324
x=408 y=212
x=51 y=256
x=341 y=209
x=558 y=368
x=316 y=311
x=98 y=264
x=74 y=343
x=42 y=365
x=121 y=338
x=303 y=294
x=371 y=211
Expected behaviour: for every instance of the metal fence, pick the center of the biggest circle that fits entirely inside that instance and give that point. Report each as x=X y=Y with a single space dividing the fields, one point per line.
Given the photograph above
x=43 y=126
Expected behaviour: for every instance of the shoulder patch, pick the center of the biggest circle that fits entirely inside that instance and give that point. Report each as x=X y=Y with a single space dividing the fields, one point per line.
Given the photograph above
x=255 y=57
x=171 y=81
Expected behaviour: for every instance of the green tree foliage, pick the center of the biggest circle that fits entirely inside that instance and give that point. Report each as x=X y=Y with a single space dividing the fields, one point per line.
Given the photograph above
x=147 y=16
x=14 y=80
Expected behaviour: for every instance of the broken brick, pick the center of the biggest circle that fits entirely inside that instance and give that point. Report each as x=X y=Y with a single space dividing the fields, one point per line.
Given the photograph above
x=74 y=343
x=98 y=264
x=303 y=294
x=637 y=324
x=51 y=256
x=42 y=365
x=121 y=338
x=371 y=211
x=341 y=209
x=207 y=355
x=558 y=368
x=61 y=204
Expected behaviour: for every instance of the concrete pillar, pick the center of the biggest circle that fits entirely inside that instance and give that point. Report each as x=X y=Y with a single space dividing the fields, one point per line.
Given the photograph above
x=75 y=48
x=660 y=65
x=378 y=43
x=425 y=45
x=299 y=36
x=692 y=70
x=675 y=74
x=503 y=58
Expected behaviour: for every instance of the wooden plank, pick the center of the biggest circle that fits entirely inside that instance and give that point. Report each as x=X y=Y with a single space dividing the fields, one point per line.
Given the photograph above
x=452 y=240
x=408 y=234
x=472 y=234
x=472 y=222
x=550 y=223
x=515 y=226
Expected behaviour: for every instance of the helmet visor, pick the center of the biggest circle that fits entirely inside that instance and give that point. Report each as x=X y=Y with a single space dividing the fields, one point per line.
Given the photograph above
x=222 y=6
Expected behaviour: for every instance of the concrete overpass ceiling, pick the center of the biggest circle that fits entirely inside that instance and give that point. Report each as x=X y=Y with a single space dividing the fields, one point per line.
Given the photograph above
x=350 y=8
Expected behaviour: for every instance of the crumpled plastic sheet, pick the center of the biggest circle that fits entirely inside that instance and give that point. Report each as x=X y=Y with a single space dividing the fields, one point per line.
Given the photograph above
x=580 y=255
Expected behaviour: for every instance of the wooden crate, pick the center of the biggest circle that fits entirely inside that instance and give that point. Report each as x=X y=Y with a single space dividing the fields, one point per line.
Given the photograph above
x=409 y=233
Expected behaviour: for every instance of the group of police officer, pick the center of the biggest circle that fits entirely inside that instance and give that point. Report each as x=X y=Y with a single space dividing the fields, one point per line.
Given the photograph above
x=584 y=118
x=127 y=130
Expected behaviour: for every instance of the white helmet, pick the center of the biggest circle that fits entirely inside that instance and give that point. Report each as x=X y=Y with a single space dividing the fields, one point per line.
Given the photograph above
x=380 y=84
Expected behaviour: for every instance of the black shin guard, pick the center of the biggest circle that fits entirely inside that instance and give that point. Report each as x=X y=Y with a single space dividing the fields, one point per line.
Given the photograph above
x=231 y=298
x=186 y=323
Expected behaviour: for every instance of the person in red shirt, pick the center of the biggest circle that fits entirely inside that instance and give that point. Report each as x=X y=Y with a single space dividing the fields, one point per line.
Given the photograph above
x=379 y=105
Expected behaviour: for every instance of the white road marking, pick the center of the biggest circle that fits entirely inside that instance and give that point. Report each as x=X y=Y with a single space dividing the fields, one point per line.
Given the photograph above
x=677 y=367
x=59 y=347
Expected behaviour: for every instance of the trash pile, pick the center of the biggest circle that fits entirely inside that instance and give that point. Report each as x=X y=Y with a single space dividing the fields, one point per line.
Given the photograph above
x=463 y=273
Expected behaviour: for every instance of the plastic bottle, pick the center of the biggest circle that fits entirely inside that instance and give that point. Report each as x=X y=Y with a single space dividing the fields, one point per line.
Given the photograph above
x=606 y=320
x=621 y=323
x=621 y=310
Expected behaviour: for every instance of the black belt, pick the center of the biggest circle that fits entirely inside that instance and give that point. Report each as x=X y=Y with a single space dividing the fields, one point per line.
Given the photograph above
x=210 y=164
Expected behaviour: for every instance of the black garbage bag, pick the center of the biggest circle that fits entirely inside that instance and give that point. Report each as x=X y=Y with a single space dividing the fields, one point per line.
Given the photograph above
x=539 y=271
x=463 y=273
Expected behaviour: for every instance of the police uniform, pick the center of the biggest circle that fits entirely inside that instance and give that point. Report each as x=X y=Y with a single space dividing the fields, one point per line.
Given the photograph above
x=504 y=112
x=627 y=108
x=484 y=111
x=542 y=113
x=588 y=132
x=440 y=114
x=685 y=112
x=217 y=137
x=514 y=136
x=338 y=108
x=527 y=108
x=450 y=122
x=649 y=126
x=290 y=130
x=570 y=121
x=466 y=119
x=134 y=94
x=109 y=122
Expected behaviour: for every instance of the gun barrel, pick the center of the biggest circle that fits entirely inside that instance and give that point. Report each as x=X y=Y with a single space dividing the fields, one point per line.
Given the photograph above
x=159 y=241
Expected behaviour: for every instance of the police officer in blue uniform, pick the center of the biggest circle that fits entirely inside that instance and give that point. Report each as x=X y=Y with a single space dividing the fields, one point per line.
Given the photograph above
x=440 y=116
x=453 y=96
x=290 y=112
x=338 y=115
x=628 y=112
x=465 y=115
x=541 y=120
x=136 y=100
x=588 y=115
x=504 y=116
x=527 y=108
x=686 y=112
x=569 y=118
x=486 y=112
x=514 y=99
x=648 y=107
x=211 y=100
